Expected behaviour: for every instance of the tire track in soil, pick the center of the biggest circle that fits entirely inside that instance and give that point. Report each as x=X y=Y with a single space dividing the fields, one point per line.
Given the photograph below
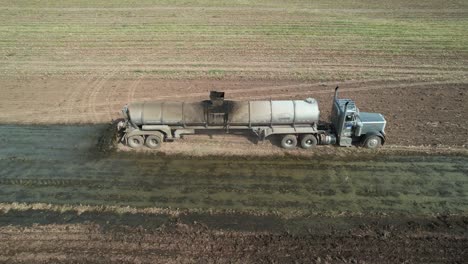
x=99 y=84
x=69 y=96
x=370 y=88
x=111 y=94
x=84 y=98
x=71 y=108
x=67 y=109
x=77 y=108
x=91 y=99
x=275 y=88
x=315 y=85
x=132 y=90
x=74 y=98
x=88 y=97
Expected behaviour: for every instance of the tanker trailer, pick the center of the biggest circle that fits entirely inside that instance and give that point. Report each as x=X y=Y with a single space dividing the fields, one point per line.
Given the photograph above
x=294 y=121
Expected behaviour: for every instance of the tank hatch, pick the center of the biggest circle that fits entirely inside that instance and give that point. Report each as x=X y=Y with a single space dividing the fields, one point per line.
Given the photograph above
x=216 y=98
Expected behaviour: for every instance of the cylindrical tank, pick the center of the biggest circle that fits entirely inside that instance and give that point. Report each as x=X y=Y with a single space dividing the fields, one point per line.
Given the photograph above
x=275 y=112
x=167 y=113
x=282 y=112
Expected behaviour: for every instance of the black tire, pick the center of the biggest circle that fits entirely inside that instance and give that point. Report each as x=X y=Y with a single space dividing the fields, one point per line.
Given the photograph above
x=308 y=141
x=153 y=141
x=135 y=141
x=289 y=141
x=372 y=142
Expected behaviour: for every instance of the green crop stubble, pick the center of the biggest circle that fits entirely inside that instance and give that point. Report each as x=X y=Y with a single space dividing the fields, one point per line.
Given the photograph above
x=282 y=187
x=322 y=4
x=65 y=39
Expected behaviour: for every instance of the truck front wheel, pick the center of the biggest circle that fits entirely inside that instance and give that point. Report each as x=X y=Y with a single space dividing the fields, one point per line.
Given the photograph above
x=289 y=141
x=372 y=142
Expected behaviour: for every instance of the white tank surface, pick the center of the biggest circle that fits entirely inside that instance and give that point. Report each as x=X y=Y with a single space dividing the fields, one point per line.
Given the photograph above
x=282 y=112
x=167 y=113
x=232 y=113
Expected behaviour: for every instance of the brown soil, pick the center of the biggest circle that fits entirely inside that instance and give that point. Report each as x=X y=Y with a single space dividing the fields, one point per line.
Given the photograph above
x=235 y=239
x=418 y=113
x=80 y=62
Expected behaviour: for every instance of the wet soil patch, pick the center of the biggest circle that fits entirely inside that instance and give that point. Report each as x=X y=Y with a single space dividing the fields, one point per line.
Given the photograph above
x=103 y=219
x=67 y=165
x=357 y=209
x=310 y=225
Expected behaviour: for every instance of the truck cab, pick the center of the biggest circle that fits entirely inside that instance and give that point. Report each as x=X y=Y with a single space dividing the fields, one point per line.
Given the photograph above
x=354 y=127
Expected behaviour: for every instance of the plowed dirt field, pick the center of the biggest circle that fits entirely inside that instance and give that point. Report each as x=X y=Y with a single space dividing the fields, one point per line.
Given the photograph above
x=65 y=197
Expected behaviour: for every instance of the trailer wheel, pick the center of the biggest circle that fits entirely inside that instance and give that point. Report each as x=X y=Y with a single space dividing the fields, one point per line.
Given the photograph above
x=153 y=141
x=308 y=141
x=289 y=141
x=135 y=141
x=372 y=142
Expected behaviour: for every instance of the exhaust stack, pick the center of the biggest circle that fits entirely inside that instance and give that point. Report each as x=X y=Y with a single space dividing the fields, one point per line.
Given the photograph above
x=345 y=110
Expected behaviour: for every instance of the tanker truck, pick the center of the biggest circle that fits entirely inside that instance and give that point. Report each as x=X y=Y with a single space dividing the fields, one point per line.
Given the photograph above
x=293 y=122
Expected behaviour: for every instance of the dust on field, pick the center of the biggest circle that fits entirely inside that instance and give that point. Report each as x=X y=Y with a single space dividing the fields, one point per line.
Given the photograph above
x=418 y=113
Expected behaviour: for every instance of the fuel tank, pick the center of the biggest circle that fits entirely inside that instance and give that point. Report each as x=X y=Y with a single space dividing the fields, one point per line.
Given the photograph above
x=232 y=113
